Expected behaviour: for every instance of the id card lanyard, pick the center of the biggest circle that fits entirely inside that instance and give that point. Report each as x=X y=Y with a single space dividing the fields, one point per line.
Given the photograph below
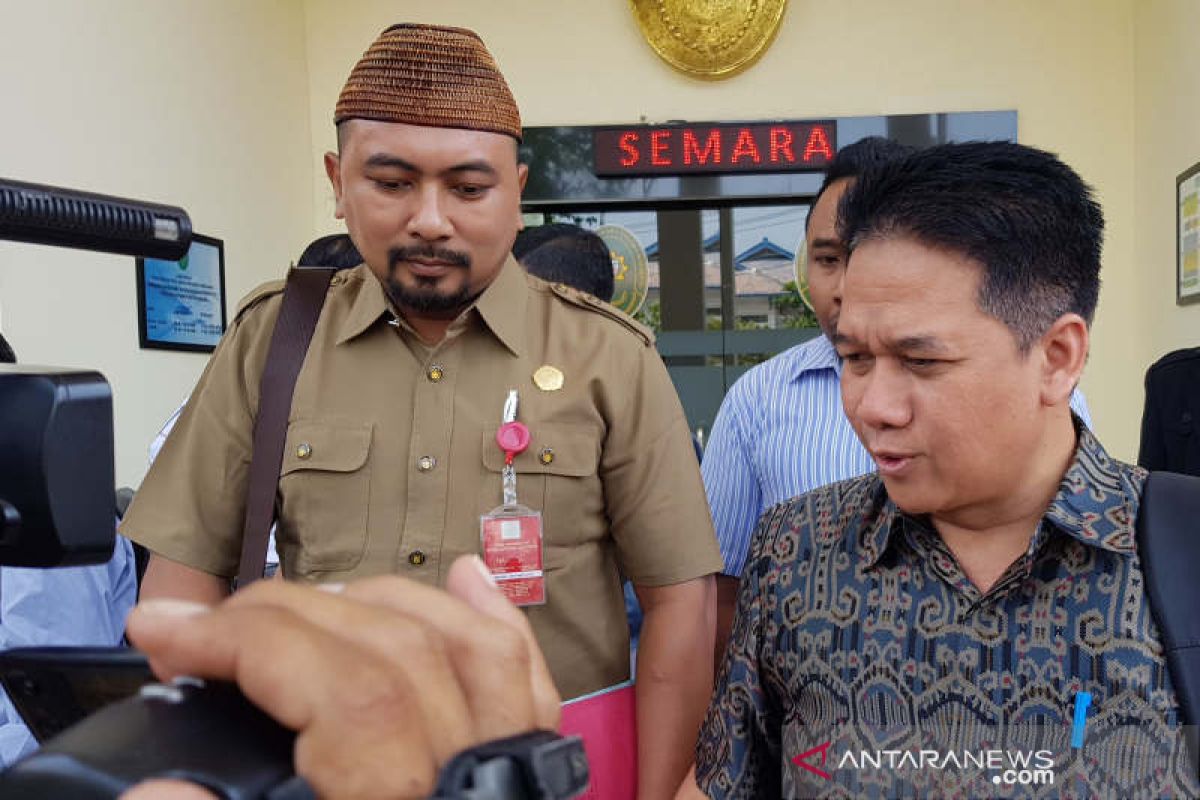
x=511 y=534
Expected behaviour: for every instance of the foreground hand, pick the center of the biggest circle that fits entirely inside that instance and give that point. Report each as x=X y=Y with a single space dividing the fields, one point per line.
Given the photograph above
x=383 y=681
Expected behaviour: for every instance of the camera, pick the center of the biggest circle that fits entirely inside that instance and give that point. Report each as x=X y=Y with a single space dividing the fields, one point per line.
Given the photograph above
x=57 y=506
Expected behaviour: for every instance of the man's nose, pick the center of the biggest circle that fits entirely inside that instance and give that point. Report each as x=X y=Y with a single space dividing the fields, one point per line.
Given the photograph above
x=884 y=401
x=429 y=220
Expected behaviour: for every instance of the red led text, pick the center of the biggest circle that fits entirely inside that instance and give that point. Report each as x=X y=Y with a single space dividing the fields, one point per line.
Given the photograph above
x=718 y=148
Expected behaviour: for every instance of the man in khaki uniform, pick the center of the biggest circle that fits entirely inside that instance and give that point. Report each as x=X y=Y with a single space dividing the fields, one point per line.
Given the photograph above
x=391 y=456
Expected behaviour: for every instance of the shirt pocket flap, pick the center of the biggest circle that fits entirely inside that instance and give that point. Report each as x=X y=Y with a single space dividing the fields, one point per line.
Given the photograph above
x=554 y=449
x=330 y=447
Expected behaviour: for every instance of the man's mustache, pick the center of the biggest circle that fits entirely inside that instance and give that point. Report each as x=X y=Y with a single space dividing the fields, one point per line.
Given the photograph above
x=452 y=257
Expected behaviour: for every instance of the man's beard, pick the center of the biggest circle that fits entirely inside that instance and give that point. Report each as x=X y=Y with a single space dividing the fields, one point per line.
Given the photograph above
x=425 y=297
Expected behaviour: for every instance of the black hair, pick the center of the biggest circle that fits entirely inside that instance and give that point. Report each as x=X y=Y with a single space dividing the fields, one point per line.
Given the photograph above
x=335 y=250
x=1024 y=215
x=854 y=159
x=7 y=356
x=562 y=253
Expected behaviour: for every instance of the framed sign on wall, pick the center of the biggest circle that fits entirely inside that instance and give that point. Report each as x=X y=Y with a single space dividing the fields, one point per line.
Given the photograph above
x=1187 y=237
x=181 y=304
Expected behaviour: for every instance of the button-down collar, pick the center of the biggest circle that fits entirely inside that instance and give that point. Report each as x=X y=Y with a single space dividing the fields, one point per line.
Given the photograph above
x=815 y=354
x=1106 y=522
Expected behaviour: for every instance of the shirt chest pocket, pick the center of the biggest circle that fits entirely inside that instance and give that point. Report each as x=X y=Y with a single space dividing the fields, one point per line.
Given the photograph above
x=324 y=490
x=557 y=475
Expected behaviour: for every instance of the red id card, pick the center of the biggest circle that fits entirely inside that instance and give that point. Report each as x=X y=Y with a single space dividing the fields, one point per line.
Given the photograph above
x=512 y=551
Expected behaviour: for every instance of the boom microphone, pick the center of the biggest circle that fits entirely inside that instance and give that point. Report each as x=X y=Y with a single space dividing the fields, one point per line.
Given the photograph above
x=37 y=214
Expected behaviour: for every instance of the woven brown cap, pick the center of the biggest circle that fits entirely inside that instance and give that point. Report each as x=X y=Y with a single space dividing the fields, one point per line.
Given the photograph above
x=430 y=75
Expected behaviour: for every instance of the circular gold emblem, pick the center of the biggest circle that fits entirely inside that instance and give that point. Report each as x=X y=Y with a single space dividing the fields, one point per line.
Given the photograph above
x=631 y=269
x=548 y=378
x=709 y=38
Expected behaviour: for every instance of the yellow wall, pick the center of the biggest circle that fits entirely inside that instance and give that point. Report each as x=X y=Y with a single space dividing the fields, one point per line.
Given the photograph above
x=1167 y=136
x=198 y=103
x=1065 y=66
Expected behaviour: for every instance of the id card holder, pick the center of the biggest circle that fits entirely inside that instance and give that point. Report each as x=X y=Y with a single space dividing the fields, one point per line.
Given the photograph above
x=512 y=551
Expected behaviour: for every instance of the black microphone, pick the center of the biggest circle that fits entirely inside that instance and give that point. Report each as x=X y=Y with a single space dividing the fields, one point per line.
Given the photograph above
x=37 y=214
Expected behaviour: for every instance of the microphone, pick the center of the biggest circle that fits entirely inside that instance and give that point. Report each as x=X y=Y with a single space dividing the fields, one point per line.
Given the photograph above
x=37 y=214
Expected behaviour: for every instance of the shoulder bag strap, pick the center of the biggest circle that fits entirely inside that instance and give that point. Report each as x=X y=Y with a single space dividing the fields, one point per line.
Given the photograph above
x=1168 y=530
x=303 y=298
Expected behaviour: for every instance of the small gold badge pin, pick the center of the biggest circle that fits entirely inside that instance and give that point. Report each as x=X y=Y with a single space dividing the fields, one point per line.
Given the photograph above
x=548 y=378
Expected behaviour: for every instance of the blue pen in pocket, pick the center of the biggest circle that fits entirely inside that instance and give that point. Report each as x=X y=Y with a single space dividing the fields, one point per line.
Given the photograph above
x=1082 y=701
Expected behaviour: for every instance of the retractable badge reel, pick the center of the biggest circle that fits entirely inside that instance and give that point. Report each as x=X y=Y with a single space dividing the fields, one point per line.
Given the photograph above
x=512 y=533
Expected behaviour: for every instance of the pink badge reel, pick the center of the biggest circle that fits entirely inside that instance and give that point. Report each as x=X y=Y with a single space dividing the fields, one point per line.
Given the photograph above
x=513 y=438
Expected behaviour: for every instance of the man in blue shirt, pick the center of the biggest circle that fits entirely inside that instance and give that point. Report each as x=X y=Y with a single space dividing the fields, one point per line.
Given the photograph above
x=781 y=430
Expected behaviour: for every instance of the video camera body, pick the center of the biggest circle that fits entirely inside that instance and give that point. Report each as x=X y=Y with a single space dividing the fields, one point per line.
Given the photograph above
x=57 y=507
x=56 y=467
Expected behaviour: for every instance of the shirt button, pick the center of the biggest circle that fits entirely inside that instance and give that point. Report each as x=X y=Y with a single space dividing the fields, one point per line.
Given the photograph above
x=546 y=456
x=416 y=558
x=435 y=373
x=304 y=450
x=426 y=463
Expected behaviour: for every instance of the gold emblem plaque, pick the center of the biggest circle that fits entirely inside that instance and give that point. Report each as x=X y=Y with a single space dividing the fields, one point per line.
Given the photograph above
x=709 y=38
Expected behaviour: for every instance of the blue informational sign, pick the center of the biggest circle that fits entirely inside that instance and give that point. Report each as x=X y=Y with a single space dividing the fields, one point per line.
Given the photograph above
x=181 y=303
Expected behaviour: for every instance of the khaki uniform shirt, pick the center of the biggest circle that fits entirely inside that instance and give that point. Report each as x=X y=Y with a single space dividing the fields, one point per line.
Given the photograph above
x=391 y=458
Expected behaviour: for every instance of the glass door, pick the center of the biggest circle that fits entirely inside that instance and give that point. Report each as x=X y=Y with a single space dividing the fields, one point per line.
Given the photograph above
x=721 y=290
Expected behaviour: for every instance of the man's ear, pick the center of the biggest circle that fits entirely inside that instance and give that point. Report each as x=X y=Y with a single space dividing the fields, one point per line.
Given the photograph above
x=333 y=168
x=522 y=176
x=1064 y=351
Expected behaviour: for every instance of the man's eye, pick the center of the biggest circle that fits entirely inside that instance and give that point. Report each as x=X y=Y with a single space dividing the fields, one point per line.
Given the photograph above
x=390 y=186
x=921 y=363
x=470 y=190
x=828 y=262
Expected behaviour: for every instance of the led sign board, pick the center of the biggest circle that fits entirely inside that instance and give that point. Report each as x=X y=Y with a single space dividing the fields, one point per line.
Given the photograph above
x=713 y=148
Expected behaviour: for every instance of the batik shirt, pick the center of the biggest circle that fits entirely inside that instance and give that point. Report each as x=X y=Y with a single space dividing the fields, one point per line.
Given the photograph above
x=864 y=663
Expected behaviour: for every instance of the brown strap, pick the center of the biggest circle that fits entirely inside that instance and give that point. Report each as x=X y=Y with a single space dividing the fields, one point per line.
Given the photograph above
x=303 y=297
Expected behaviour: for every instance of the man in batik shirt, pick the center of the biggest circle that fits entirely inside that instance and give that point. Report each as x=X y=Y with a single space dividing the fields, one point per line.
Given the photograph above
x=934 y=628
